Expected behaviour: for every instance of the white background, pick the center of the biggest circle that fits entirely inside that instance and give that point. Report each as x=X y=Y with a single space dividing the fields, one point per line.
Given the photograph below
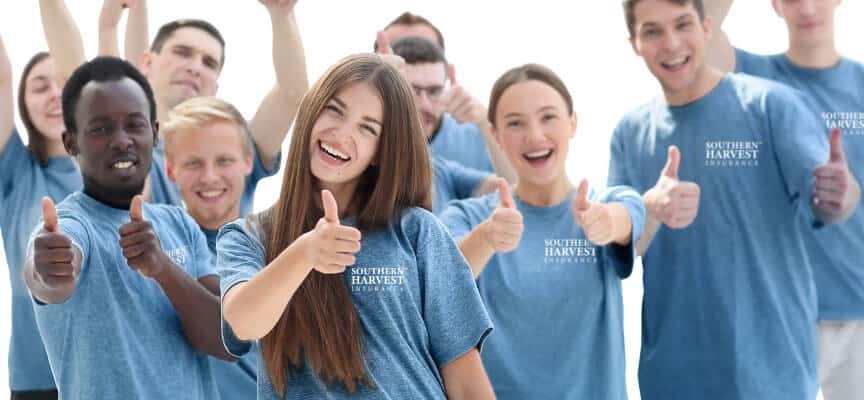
x=585 y=42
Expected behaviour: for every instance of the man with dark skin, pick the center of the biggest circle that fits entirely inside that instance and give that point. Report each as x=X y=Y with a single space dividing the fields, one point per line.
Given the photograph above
x=161 y=307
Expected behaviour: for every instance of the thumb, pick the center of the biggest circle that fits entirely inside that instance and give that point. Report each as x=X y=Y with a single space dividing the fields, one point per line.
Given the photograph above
x=504 y=191
x=837 y=154
x=451 y=74
x=135 y=212
x=383 y=43
x=49 y=214
x=581 y=201
x=672 y=162
x=331 y=209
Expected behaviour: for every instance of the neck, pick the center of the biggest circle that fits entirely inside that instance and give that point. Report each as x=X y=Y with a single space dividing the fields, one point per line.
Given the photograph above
x=161 y=113
x=343 y=193
x=544 y=195
x=704 y=83
x=111 y=198
x=55 y=148
x=824 y=55
x=216 y=223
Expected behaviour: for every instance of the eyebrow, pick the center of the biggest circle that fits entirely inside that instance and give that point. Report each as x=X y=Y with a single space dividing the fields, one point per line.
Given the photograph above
x=104 y=118
x=516 y=114
x=39 y=78
x=678 y=19
x=365 y=118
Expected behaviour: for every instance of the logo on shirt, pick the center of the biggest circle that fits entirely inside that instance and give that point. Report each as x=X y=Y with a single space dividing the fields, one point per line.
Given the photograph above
x=178 y=255
x=852 y=123
x=376 y=279
x=732 y=153
x=569 y=251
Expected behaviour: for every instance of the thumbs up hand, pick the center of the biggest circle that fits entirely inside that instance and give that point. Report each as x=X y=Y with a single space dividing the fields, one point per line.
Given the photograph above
x=831 y=192
x=140 y=245
x=52 y=251
x=460 y=104
x=671 y=201
x=596 y=219
x=330 y=247
x=382 y=42
x=503 y=230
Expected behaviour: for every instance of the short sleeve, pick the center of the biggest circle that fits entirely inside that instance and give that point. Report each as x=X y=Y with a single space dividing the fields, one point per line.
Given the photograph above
x=239 y=257
x=465 y=180
x=461 y=216
x=752 y=64
x=800 y=144
x=452 y=309
x=261 y=171
x=623 y=257
x=618 y=167
x=14 y=157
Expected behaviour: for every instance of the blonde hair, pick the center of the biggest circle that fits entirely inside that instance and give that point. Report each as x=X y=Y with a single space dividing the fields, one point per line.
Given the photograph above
x=198 y=112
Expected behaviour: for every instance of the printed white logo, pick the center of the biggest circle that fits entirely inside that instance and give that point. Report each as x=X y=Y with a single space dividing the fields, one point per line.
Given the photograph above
x=732 y=153
x=569 y=251
x=377 y=279
x=851 y=123
x=178 y=255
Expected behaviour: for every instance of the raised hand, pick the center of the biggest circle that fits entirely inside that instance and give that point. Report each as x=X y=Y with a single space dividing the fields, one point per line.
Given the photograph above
x=503 y=229
x=382 y=42
x=671 y=201
x=111 y=12
x=330 y=247
x=832 y=180
x=52 y=251
x=460 y=104
x=140 y=245
x=281 y=6
x=596 y=219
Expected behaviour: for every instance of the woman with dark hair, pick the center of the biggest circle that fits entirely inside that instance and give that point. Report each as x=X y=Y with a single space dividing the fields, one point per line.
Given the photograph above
x=27 y=173
x=352 y=288
x=549 y=258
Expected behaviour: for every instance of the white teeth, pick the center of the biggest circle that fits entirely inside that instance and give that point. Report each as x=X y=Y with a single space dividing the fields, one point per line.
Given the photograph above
x=333 y=152
x=676 y=62
x=539 y=153
x=211 y=193
x=123 y=164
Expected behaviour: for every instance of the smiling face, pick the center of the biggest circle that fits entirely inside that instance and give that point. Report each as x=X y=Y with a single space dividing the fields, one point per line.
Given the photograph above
x=345 y=136
x=42 y=98
x=114 y=141
x=427 y=80
x=671 y=40
x=187 y=66
x=810 y=23
x=534 y=128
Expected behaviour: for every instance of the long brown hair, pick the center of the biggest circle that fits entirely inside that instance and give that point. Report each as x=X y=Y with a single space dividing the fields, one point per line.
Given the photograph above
x=320 y=325
x=35 y=137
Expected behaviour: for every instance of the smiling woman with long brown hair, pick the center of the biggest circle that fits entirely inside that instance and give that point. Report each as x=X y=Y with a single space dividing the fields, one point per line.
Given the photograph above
x=350 y=286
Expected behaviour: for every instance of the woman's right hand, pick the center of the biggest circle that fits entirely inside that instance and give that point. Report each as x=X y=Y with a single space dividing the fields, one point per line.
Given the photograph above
x=330 y=247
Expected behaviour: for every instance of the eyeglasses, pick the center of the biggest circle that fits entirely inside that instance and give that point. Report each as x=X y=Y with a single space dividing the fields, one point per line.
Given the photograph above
x=433 y=93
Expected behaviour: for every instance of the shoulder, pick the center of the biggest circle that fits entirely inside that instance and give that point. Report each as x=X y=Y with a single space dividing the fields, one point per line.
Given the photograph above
x=635 y=118
x=751 y=90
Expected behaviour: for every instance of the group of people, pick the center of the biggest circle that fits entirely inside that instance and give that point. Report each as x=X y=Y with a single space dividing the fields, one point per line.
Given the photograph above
x=425 y=245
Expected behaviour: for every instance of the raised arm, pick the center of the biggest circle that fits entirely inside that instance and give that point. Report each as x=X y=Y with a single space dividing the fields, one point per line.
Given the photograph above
x=253 y=308
x=720 y=54
x=277 y=111
x=64 y=39
x=137 y=40
x=7 y=102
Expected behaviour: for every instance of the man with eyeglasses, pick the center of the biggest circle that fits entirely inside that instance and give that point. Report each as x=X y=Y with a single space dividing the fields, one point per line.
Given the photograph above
x=426 y=71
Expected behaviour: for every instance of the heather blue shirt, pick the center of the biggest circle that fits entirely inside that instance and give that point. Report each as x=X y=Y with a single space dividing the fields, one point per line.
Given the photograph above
x=163 y=191
x=729 y=307
x=453 y=181
x=118 y=336
x=235 y=380
x=462 y=143
x=836 y=97
x=23 y=183
x=555 y=301
x=415 y=297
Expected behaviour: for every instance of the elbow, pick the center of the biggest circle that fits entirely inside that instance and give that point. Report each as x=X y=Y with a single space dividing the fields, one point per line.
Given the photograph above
x=243 y=329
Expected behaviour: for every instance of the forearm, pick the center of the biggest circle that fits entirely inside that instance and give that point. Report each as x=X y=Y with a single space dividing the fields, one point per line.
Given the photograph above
x=499 y=161
x=197 y=308
x=55 y=294
x=137 y=39
x=278 y=109
x=464 y=378
x=719 y=52
x=7 y=102
x=476 y=249
x=64 y=39
x=622 y=225
x=652 y=226
x=254 y=307
x=108 y=45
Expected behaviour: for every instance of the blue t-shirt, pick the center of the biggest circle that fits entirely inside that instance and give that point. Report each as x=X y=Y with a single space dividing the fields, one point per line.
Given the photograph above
x=729 y=307
x=555 y=301
x=415 y=297
x=453 y=181
x=462 y=143
x=235 y=380
x=163 y=191
x=118 y=336
x=836 y=96
x=23 y=183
